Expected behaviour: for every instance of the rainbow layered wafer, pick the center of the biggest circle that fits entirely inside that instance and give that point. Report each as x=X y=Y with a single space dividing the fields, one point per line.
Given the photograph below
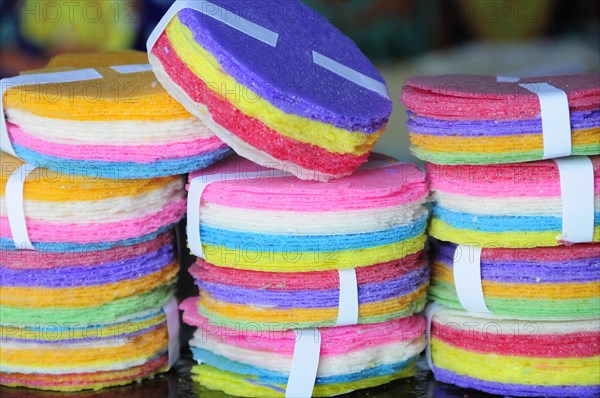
x=539 y=283
x=463 y=119
x=257 y=362
x=279 y=91
x=120 y=123
x=283 y=300
x=516 y=357
x=283 y=224
x=512 y=205
x=85 y=325
x=71 y=213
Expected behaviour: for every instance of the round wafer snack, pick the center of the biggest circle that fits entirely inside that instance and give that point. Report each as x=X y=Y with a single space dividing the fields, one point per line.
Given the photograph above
x=559 y=282
x=467 y=119
x=516 y=357
x=278 y=90
x=257 y=362
x=511 y=205
x=104 y=115
x=73 y=213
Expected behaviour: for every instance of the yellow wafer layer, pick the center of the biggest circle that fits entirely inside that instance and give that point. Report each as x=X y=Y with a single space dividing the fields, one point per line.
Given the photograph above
x=311 y=261
x=117 y=96
x=140 y=347
x=525 y=142
x=516 y=369
x=301 y=129
x=251 y=314
x=514 y=240
x=50 y=186
x=532 y=291
x=88 y=296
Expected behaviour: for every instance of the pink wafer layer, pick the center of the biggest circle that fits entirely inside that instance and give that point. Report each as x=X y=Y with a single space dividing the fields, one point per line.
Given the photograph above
x=365 y=189
x=40 y=231
x=582 y=344
x=26 y=259
x=533 y=179
x=321 y=280
x=146 y=153
x=472 y=97
x=335 y=341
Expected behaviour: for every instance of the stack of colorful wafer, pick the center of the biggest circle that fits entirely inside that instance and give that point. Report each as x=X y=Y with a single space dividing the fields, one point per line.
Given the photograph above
x=516 y=357
x=511 y=205
x=515 y=243
x=539 y=283
x=92 y=304
x=290 y=89
x=464 y=119
x=105 y=115
x=275 y=249
x=66 y=213
x=256 y=362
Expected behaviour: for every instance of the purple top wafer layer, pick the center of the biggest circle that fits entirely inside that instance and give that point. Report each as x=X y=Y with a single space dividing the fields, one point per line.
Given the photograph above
x=534 y=270
x=518 y=390
x=490 y=128
x=367 y=293
x=65 y=277
x=286 y=75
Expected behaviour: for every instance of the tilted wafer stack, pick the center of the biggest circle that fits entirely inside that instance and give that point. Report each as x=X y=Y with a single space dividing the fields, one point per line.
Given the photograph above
x=516 y=357
x=104 y=115
x=90 y=303
x=256 y=363
x=277 y=90
x=467 y=119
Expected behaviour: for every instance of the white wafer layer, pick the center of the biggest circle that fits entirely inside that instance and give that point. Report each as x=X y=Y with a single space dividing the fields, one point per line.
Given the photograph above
x=99 y=211
x=530 y=206
x=351 y=362
x=310 y=223
x=108 y=132
x=488 y=323
x=57 y=370
x=239 y=146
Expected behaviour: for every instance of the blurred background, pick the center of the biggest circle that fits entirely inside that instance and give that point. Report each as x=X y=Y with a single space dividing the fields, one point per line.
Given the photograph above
x=403 y=37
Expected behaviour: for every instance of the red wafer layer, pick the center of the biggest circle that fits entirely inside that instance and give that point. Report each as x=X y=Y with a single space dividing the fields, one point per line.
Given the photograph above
x=81 y=381
x=325 y=280
x=580 y=345
x=524 y=179
x=470 y=97
x=252 y=130
x=551 y=254
x=27 y=259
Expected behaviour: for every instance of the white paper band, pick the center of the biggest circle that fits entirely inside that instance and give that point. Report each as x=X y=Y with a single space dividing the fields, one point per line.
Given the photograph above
x=132 y=68
x=172 y=312
x=15 y=207
x=220 y=14
x=577 y=197
x=556 y=123
x=305 y=363
x=197 y=187
x=467 y=278
x=507 y=79
x=430 y=311
x=39 y=78
x=348 y=299
x=350 y=74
